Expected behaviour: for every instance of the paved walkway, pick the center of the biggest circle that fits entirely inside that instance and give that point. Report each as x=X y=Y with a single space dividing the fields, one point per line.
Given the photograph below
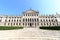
x=29 y=34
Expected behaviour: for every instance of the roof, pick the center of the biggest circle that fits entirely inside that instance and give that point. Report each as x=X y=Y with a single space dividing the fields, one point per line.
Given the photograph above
x=30 y=11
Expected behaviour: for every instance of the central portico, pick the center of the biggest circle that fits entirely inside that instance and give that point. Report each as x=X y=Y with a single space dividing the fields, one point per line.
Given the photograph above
x=30 y=18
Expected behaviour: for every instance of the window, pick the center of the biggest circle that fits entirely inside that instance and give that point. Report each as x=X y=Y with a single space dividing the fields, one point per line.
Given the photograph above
x=26 y=14
x=44 y=20
x=56 y=20
x=52 y=20
x=53 y=23
x=32 y=14
x=50 y=24
x=1 y=17
x=5 y=20
x=23 y=20
x=30 y=19
x=41 y=24
x=14 y=23
x=11 y=24
x=14 y=20
x=44 y=23
x=23 y=23
x=26 y=20
x=0 y=20
x=37 y=23
x=47 y=23
x=49 y=20
x=8 y=23
x=35 y=20
x=19 y=23
x=9 y=20
x=37 y=14
x=17 y=20
x=57 y=24
x=4 y=23
x=41 y=20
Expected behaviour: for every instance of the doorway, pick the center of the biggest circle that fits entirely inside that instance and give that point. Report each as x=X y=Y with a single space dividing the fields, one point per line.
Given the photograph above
x=30 y=24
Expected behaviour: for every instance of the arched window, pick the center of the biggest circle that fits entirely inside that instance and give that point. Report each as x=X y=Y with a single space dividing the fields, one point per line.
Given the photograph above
x=47 y=23
x=56 y=20
x=41 y=20
x=17 y=20
x=5 y=20
x=9 y=20
x=11 y=24
x=4 y=23
x=26 y=14
x=44 y=23
x=44 y=20
x=23 y=20
x=0 y=20
x=57 y=24
x=50 y=24
x=35 y=20
x=19 y=23
x=37 y=14
x=41 y=24
x=8 y=23
x=26 y=19
x=30 y=19
x=14 y=20
x=52 y=20
x=23 y=23
x=32 y=14
x=49 y=20
x=53 y=23
x=14 y=23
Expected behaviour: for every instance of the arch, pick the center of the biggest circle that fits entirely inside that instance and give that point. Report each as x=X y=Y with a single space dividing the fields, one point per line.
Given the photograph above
x=26 y=19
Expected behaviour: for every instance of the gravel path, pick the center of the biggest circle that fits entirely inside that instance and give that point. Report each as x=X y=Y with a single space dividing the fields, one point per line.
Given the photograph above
x=29 y=34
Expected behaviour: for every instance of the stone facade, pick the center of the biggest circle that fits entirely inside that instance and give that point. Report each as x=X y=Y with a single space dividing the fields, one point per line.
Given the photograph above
x=30 y=18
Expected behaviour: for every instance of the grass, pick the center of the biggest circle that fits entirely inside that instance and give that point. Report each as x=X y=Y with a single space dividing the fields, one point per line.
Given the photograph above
x=10 y=27
x=50 y=27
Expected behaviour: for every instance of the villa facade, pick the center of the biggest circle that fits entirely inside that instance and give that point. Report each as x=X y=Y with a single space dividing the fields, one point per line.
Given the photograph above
x=30 y=18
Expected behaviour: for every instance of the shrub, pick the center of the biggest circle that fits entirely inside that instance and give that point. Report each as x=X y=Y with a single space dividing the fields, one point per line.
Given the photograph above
x=50 y=27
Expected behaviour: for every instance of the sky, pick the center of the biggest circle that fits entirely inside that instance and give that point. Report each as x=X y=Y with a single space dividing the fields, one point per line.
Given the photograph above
x=16 y=7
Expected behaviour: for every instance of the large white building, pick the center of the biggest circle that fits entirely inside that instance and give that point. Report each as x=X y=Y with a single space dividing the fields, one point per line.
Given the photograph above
x=30 y=18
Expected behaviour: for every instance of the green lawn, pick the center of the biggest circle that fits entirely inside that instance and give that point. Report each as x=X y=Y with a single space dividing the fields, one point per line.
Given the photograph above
x=50 y=27
x=10 y=27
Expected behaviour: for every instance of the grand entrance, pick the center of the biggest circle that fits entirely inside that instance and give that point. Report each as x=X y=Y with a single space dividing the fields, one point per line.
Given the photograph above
x=31 y=25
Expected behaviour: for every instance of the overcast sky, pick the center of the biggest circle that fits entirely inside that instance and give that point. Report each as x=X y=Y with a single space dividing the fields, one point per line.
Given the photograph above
x=16 y=7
